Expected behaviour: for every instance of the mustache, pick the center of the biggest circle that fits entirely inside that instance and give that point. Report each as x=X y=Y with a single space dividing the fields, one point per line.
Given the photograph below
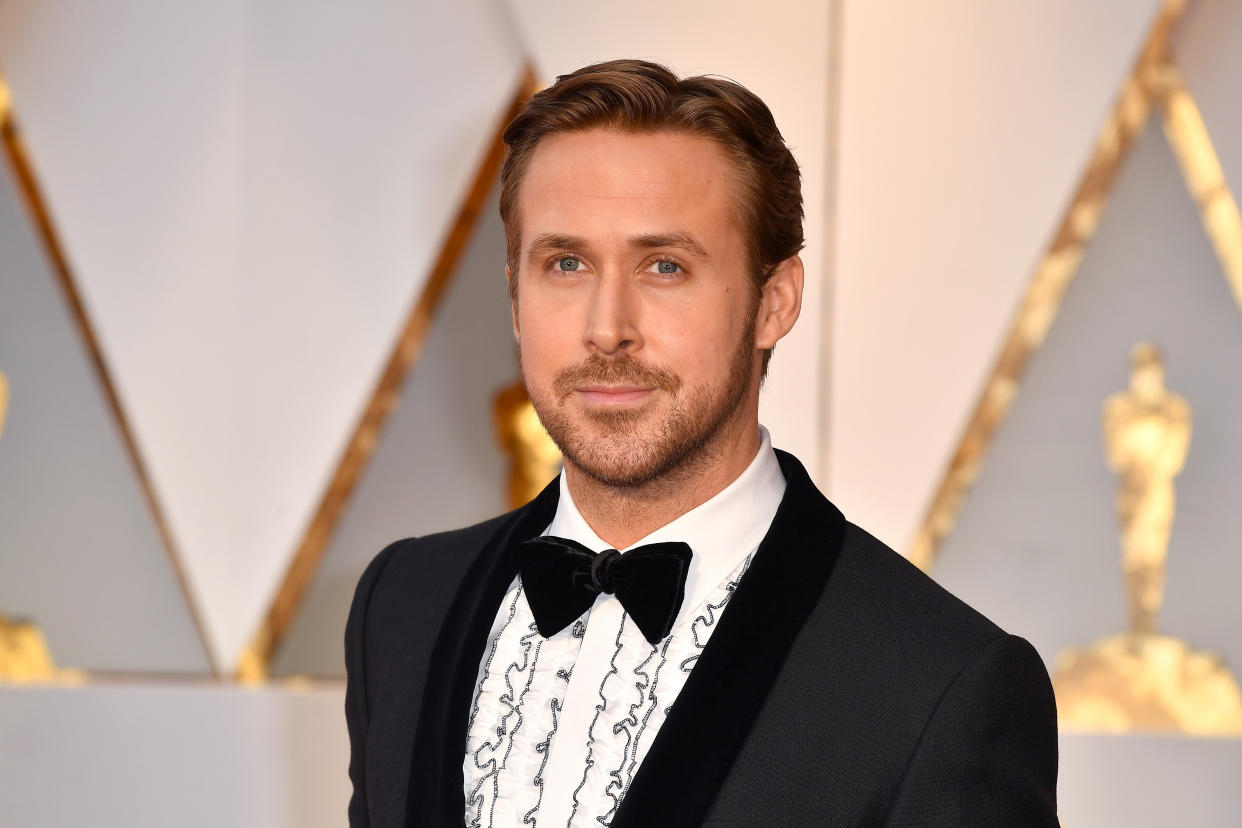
x=619 y=370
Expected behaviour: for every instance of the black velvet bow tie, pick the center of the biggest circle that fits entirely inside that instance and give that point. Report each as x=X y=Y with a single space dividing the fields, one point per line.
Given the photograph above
x=561 y=578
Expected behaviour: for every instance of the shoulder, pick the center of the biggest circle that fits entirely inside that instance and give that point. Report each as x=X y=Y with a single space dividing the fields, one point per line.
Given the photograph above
x=400 y=603
x=894 y=596
x=923 y=645
x=398 y=608
x=428 y=565
x=893 y=640
x=886 y=657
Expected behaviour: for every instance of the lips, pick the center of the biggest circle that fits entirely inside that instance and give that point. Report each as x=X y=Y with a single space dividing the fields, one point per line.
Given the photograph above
x=614 y=394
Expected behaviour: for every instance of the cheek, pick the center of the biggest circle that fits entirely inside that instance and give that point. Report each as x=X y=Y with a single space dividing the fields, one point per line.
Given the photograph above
x=543 y=344
x=695 y=341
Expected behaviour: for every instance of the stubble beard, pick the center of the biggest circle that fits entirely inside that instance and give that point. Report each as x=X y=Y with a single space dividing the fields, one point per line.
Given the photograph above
x=625 y=450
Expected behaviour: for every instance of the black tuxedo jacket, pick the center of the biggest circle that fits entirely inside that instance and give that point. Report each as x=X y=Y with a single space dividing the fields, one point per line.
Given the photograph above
x=841 y=687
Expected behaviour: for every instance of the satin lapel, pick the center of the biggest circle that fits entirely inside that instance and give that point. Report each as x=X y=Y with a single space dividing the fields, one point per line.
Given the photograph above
x=435 y=795
x=678 y=780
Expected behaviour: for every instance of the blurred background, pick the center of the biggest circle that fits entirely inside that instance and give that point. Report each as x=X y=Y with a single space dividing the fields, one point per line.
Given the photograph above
x=253 y=327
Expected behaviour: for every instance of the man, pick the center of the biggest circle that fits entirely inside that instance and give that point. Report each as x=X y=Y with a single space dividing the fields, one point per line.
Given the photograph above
x=749 y=657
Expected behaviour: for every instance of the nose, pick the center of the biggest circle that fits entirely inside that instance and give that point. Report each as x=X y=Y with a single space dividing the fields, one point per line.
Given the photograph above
x=612 y=320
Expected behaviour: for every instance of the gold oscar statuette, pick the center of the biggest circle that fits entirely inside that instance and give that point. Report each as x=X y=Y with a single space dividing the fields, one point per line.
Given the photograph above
x=23 y=650
x=1142 y=679
x=24 y=655
x=533 y=458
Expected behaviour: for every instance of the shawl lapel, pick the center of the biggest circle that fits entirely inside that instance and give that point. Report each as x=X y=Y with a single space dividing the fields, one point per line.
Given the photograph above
x=435 y=795
x=708 y=723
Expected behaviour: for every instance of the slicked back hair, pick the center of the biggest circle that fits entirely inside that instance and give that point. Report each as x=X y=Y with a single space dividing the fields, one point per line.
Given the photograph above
x=643 y=97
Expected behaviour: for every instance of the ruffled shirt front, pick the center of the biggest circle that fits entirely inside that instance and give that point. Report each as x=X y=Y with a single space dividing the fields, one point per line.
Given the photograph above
x=559 y=726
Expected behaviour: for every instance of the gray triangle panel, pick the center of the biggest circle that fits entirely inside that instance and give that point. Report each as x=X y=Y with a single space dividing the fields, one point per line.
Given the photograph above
x=1037 y=544
x=80 y=554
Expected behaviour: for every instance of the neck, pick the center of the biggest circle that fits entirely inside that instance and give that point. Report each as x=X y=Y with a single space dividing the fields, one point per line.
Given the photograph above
x=623 y=515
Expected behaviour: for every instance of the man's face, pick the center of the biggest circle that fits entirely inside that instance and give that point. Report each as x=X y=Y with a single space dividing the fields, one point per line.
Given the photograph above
x=636 y=311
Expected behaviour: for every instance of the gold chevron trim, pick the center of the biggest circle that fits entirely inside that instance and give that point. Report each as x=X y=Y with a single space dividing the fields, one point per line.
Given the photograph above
x=255 y=660
x=1188 y=136
x=1153 y=81
x=36 y=205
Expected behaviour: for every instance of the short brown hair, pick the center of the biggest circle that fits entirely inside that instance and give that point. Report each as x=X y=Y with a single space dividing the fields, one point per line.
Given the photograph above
x=640 y=96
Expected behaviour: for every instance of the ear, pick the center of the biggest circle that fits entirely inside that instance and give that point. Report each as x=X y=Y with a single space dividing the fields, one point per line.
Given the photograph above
x=780 y=303
x=513 y=308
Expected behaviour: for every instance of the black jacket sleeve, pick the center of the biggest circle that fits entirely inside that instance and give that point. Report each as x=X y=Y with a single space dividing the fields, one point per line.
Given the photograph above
x=356 y=702
x=988 y=754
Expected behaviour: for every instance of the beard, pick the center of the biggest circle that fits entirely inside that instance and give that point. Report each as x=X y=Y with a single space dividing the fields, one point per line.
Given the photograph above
x=624 y=449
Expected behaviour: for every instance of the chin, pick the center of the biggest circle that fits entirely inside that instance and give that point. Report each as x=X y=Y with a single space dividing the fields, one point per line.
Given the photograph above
x=622 y=467
x=612 y=447
x=630 y=449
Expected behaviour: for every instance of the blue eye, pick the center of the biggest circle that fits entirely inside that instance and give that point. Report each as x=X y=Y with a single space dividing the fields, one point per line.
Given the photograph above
x=667 y=268
x=567 y=263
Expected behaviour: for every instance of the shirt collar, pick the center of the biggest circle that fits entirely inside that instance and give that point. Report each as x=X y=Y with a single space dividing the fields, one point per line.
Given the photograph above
x=721 y=532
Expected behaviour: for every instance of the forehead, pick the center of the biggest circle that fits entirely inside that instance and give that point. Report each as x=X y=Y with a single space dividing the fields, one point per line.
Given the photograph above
x=603 y=181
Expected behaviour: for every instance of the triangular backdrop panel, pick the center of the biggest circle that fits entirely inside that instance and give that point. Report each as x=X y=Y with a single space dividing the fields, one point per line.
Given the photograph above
x=438 y=464
x=251 y=193
x=80 y=553
x=1036 y=547
x=1206 y=49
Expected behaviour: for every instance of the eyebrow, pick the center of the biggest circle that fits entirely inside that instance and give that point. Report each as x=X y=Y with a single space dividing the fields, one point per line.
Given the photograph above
x=548 y=242
x=681 y=241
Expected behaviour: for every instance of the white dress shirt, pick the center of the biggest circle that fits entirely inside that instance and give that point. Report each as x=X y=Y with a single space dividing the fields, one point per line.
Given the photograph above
x=559 y=726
